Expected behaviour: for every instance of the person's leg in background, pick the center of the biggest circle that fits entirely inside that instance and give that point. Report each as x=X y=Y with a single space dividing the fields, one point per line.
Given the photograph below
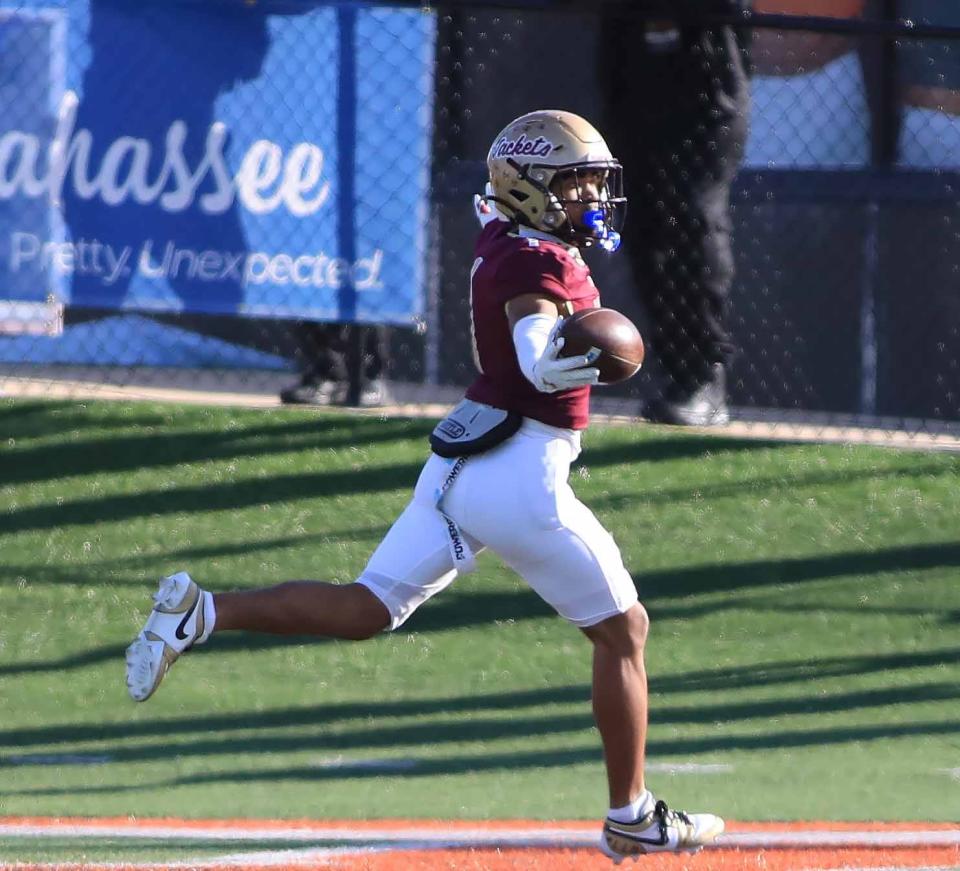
x=683 y=262
x=344 y=364
x=367 y=361
x=684 y=278
x=324 y=373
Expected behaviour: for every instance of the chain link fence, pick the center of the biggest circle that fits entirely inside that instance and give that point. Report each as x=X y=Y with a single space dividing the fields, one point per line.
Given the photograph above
x=244 y=196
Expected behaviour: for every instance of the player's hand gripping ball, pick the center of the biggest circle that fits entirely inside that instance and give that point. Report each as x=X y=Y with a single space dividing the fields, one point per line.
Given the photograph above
x=612 y=334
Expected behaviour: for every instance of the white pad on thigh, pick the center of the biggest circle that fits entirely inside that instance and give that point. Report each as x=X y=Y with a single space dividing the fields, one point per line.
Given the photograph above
x=577 y=568
x=517 y=501
x=413 y=562
x=514 y=499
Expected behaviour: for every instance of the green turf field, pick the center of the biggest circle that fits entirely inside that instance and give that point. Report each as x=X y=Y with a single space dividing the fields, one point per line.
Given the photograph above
x=805 y=603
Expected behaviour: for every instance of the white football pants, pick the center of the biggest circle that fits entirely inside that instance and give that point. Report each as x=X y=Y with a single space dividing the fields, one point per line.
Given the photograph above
x=514 y=499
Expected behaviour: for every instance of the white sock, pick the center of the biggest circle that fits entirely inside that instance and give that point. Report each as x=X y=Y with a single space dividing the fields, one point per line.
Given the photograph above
x=641 y=805
x=209 y=617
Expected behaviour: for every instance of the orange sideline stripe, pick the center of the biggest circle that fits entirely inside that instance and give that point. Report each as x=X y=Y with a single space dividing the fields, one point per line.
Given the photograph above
x=571 y=860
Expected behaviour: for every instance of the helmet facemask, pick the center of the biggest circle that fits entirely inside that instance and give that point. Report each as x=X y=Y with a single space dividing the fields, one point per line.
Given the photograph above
x=602 y=222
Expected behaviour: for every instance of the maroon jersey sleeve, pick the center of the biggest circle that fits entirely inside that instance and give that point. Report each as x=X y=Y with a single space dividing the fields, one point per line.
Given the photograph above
x=532 y=267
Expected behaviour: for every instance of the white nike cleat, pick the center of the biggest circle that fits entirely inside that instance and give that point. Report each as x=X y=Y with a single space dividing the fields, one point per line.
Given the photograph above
x=175 y=625
x=659 y=831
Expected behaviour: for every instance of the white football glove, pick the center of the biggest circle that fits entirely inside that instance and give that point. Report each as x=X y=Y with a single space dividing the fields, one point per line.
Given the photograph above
x=552 y=373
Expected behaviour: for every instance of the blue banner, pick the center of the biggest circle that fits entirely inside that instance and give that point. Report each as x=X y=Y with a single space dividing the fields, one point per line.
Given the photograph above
x=267 y=159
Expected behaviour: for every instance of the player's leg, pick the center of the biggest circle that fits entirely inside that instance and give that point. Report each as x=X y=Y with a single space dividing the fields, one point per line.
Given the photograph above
x=585 y=558
x=620 y=700
x=412 y=563
x=576 y=567
x=584 y=579
x=184 y=615
x=347 y=611
x=518 y=501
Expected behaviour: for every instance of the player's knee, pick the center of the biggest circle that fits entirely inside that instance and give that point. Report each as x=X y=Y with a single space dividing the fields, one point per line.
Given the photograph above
x=367 y=616
x=638 y=626
x=624 y=634
x=644 y=618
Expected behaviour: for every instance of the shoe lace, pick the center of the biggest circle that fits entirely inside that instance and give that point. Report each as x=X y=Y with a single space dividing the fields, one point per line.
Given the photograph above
x=665 y=817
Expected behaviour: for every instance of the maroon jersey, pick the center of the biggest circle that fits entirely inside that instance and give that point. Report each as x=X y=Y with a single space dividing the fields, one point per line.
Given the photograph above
x=506 y=266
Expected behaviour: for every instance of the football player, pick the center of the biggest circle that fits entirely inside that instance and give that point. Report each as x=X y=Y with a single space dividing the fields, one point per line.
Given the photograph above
x=498 y=475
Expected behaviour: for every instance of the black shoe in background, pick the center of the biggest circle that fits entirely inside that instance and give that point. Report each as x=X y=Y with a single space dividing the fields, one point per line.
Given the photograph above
x=704 y=406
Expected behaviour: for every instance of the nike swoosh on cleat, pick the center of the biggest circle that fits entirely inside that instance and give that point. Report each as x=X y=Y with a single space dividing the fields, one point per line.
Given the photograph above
x=181 y=635
x=659 y=842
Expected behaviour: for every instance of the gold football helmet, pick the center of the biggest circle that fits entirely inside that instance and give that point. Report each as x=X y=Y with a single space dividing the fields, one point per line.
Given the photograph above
x=531 y=152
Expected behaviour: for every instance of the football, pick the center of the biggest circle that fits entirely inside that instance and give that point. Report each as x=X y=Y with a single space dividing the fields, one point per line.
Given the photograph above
x=614 y=334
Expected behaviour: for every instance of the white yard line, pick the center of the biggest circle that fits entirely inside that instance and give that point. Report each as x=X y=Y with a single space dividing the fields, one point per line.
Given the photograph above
x=426 y=838
x=688 y=767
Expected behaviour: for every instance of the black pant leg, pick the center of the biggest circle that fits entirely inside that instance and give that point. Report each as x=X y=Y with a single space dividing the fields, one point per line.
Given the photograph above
x=375 y=351
x=684 y=272
x=677 y=120
x=323 y=350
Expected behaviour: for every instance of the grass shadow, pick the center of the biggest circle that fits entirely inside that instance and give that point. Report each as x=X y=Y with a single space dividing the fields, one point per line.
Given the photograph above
x=677 y=447
x=31 y=418
x=102 y=572
x=721 y=577
x=138 y=451
x=771 y=674
x=512 y=761
x=222 y=497
x=292 y=717
x=758 y=486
